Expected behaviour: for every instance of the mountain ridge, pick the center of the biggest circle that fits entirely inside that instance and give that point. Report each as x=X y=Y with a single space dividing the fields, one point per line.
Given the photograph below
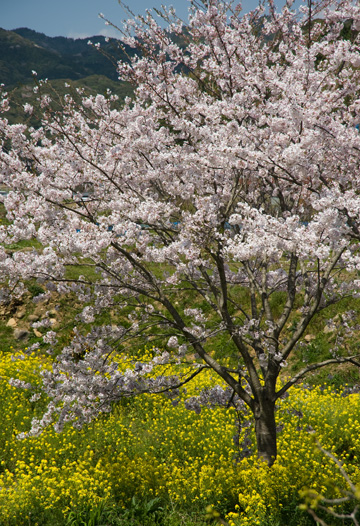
x=62 y=61
x=24 y=50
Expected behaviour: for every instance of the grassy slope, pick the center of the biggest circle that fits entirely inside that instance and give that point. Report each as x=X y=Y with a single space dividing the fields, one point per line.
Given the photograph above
x=316 y=347
x=93 y=85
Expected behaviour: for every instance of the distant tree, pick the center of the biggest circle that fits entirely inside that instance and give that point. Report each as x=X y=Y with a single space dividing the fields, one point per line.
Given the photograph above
x=232 y=178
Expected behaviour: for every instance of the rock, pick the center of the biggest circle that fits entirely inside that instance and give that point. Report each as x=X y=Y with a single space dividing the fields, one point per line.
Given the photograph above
x=328 y=329
x=52 y=313
x=20 y=313
x=11 y=323
x=309 y=337
x=33 y=317
x=21 y=334
x=37 y=333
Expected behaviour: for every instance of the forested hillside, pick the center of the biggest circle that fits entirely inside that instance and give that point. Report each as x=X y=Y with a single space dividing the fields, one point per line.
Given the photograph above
x=58 y=59
x=24 y=50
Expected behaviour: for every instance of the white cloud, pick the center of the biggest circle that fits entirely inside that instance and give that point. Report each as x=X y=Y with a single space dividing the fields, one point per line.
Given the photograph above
x=74 y=34
x=105 y=32
x=110 y=32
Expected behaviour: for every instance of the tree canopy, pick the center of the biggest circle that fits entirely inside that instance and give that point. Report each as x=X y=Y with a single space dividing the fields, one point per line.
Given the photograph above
x=231 y=178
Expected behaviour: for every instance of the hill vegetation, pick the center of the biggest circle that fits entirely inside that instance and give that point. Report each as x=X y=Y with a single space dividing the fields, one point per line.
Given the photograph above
x=24 y=50
x=61 y=60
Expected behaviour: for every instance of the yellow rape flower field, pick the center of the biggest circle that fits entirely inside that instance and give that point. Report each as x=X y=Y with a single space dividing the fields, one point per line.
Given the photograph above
x=154 y=462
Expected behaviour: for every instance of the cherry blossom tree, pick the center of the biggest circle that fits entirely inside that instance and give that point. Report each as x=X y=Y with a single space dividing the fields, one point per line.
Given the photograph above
x=231 y=177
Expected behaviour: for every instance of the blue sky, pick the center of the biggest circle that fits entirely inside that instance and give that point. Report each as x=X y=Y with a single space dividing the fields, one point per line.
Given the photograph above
x=79 y=18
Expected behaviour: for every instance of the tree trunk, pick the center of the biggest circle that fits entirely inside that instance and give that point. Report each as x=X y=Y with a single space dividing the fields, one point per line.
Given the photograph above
x=265 y=430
